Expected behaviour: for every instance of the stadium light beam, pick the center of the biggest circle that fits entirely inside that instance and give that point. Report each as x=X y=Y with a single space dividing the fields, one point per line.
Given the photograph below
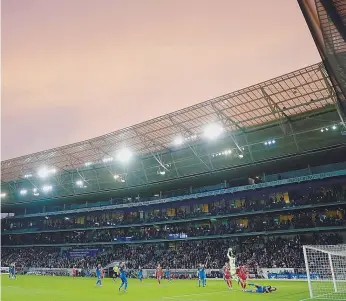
x=213 y=131
x=3 y=194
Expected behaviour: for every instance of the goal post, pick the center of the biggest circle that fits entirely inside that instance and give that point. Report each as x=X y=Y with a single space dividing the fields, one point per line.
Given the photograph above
x=326 y=271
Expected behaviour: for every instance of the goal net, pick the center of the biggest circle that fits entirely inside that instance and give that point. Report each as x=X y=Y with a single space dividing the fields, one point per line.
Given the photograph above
x=326 y=271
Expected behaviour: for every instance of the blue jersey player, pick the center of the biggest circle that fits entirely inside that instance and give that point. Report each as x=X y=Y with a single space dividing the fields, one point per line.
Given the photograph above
x=122 y=276
x=260 y=289
x=99 y=275
x=202 y=279
x=12 y=272
x=168 y=274
x=140 y=275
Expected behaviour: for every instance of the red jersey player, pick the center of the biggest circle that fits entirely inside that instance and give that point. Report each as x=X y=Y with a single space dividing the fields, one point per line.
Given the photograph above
x=227 y=275
x=74 y=272
x=103 y=274
x=159 y=273
x=242 y=275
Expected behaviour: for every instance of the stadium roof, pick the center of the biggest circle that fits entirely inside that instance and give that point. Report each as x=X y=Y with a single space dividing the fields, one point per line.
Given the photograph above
x=288 y=117
x=294 y=93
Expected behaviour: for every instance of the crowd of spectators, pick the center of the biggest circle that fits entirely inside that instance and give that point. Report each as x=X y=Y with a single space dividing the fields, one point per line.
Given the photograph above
x=222 y=206
x=301 y=219
x=254 y=252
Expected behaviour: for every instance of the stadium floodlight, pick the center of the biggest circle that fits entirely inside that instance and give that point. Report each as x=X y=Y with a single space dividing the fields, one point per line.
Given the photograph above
x=162 y=172
x=35 y=191
x=79 y=183
x=322 y=130
x=269 y=142
x=45 y=172
x=334 y=127
x=47 y=188
x=241 y=156
x=124 y=155
x=3 y=194
x=227 y=152
x=108 y=159
x=28 y=176
x=179 y=140
x=88 y=164
x=67 y=218
x=23 y=191
x=213 y=131
x=116 y=177
x=122 y=180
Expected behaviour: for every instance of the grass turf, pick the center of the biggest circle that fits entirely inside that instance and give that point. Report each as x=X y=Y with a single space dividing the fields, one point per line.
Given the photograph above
x=44 y=288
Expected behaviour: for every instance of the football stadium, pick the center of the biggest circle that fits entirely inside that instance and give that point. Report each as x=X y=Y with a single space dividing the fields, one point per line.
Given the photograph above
x=238 y=197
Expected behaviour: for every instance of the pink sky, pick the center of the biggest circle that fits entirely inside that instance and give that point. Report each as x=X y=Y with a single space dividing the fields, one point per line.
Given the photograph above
x=76 y=69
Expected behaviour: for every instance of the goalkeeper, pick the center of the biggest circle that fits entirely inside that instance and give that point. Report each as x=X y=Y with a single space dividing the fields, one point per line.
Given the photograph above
x=231 y=260
x=260 y=289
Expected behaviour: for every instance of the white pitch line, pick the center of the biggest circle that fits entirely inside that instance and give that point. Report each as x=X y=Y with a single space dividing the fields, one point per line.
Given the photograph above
x=197 y=294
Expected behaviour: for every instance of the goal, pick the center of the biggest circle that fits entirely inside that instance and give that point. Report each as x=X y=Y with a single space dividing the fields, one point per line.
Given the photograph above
x=326 y=271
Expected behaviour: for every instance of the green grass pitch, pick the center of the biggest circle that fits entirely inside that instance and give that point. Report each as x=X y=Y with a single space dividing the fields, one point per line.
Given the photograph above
x=50 y=288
